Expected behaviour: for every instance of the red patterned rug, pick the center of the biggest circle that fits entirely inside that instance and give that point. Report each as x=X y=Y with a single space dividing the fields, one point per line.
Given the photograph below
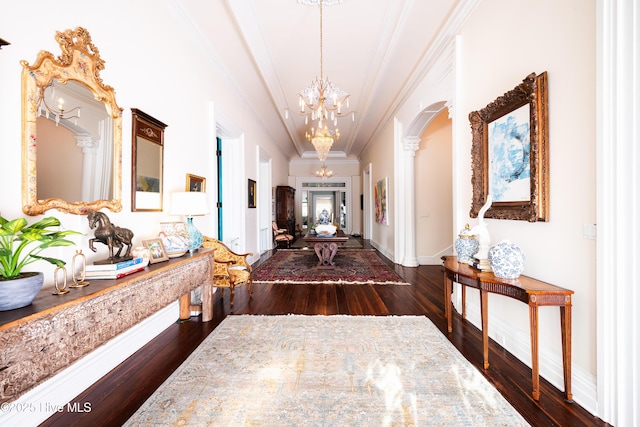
x=352 y=267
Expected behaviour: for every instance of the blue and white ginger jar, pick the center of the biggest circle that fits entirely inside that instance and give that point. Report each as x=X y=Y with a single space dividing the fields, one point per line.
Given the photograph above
x=466 y=245
x=506 y=260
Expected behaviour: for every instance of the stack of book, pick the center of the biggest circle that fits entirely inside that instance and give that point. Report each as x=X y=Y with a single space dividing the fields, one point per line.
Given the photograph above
x=482 y=265
x=115 y=271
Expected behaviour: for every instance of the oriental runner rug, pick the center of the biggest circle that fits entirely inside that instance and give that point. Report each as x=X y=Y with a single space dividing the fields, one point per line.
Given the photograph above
x=326 y=371
x=352 y=267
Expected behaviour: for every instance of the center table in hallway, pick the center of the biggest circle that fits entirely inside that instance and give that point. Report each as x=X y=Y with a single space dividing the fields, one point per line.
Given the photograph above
x=326 y=247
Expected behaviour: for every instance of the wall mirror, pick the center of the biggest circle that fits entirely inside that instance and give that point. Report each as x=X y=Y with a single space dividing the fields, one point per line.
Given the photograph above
x=71 y=131
x=146 y=162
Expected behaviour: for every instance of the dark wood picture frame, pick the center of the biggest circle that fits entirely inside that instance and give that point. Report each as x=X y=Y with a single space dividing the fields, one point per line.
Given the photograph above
x=147 y=162
x=532 y=92
x=195 y=183
x=251 y=192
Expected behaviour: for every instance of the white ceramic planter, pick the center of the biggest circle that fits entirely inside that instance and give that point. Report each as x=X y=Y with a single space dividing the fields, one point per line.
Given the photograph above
x=18 y=293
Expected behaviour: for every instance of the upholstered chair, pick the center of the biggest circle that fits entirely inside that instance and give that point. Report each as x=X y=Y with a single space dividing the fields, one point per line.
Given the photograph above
x=280 y=235
x=230 y=269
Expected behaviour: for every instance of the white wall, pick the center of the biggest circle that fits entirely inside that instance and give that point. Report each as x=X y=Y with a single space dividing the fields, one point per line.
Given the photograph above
x=499 y=45
x=154 y=63
x=496 y=54
x=434 y=192
x=381 y=152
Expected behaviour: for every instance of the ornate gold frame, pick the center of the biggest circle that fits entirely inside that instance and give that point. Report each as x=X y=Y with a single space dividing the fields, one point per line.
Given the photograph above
x=532 y=91
x=197 y=181
x=79 y=61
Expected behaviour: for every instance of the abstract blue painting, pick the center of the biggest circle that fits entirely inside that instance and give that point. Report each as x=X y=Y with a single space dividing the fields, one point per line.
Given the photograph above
x=509 y=151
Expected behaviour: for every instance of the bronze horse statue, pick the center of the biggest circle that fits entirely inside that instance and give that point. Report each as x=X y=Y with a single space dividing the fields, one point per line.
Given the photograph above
x=109 y=234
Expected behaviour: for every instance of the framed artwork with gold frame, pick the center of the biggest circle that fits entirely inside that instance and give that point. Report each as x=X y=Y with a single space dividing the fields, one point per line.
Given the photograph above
x=195 y=183
x=510 y=156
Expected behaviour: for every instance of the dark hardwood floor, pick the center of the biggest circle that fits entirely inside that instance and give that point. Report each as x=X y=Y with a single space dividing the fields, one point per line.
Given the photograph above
x=120 y=393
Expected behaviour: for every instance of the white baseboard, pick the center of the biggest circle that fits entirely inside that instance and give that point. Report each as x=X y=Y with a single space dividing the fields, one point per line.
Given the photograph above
x=435 y=259
x=583 y=384
x=382 y=250
x=57 y=393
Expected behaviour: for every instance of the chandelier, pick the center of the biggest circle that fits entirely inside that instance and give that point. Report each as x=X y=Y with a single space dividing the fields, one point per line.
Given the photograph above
x=60 y=113
x=322 y=100
x=322 y=140
x=324 y=172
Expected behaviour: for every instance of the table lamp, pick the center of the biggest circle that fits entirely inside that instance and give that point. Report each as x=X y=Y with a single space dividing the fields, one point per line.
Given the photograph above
x=190 y=204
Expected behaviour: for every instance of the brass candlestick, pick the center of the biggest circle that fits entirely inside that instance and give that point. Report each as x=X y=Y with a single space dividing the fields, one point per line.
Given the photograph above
x=60 y=290
x=79 y=276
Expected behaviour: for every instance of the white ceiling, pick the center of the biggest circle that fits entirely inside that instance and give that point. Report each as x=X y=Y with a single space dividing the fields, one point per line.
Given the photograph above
x=376 y=50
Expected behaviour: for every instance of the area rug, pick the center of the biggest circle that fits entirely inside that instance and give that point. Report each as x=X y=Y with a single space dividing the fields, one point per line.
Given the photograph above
x=326 y=371
x=300 y=243
x=353 y=266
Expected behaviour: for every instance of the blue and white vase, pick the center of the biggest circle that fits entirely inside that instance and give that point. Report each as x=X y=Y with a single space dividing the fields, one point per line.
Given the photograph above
x=466 y=245
x=506 y=260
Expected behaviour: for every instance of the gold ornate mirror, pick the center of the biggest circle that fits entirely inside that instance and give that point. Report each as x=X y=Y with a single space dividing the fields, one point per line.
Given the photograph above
x=71 y=131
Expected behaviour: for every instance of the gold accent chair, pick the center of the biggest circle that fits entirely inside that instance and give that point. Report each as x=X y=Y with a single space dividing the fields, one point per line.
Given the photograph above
x=280 y=235
x=230 y=269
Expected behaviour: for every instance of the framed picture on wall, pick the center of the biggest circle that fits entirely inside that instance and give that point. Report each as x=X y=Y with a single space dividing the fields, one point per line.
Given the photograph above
x=195 y=183
x=251 y=191
x=381 y=200
x=510 y=157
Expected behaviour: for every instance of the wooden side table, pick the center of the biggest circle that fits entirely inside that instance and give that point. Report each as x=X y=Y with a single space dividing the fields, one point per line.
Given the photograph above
x=533 y=292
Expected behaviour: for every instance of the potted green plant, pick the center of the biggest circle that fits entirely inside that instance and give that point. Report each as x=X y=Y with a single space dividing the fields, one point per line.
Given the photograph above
x=21 y=245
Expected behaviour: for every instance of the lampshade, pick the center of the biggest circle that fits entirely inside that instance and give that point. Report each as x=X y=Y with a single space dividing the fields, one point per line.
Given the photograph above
x=189 y=203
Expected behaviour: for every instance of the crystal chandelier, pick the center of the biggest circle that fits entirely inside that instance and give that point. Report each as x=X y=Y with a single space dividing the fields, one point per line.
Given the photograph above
x=322 y=140
x=322 y=101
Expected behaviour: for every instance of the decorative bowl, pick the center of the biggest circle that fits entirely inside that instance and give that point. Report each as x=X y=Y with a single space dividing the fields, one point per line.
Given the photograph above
x=326 y=229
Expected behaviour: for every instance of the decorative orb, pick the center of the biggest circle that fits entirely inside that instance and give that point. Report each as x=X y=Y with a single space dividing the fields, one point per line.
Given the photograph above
x=506 y=260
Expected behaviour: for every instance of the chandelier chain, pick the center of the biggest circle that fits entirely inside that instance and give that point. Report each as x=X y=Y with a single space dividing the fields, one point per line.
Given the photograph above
x=321 y=76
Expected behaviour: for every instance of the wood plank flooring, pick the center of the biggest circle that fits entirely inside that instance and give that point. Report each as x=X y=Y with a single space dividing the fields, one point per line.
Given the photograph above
x=121 y=392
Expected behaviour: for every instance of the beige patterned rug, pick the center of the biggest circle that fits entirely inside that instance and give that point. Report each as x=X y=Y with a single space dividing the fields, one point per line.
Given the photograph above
x=326 y=371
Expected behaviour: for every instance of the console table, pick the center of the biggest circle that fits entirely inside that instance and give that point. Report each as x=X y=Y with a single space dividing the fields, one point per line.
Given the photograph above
x=41 y=339
x=533 y=292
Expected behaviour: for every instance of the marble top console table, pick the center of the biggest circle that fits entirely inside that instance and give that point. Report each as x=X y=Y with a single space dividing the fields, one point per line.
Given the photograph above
x=39 y=340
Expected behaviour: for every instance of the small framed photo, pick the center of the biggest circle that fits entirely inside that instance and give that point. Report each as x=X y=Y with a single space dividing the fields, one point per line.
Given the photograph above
x=195 y=183
x=158 y=253
x=251 y=191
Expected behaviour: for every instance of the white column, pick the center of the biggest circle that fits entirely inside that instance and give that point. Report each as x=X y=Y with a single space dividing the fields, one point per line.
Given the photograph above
x=410 y=144
x=618 y=189
x=88 y=146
